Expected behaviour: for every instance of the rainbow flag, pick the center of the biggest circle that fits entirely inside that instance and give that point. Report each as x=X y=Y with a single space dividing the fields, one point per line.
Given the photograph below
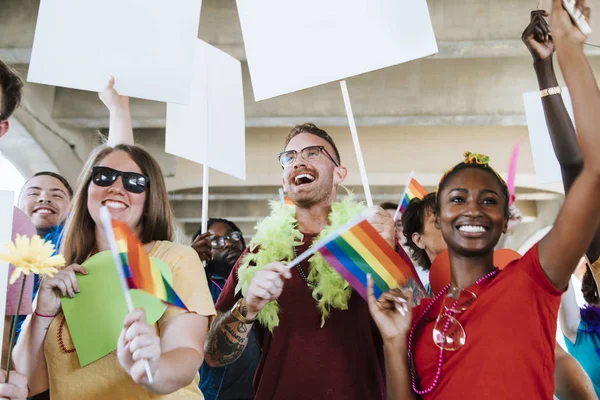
x=360 y=250
x=139 y=271
x=285 y=199
x=413 y=189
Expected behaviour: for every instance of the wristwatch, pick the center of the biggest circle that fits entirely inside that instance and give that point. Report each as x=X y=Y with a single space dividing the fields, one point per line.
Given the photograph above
x=235 y=312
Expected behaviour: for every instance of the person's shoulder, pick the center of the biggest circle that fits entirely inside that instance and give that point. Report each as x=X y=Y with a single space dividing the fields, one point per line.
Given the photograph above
x=165 y=248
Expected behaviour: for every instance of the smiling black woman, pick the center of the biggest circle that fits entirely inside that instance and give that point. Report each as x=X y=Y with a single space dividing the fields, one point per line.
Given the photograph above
x=491 y=334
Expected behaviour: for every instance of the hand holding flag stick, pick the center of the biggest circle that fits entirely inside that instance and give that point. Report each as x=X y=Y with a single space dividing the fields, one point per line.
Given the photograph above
x=355 y=250
x=112 y=242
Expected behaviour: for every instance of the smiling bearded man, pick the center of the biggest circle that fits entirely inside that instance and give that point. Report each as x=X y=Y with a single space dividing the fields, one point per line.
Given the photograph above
x=316 y=336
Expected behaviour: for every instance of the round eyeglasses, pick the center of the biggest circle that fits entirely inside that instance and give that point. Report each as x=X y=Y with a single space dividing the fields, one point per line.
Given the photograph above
x=218 y=242
x=310 y=153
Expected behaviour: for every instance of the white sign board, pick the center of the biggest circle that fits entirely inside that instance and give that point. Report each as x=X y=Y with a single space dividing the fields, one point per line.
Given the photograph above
x=294 y=45
x=147 y=45
x=6 y=216
x=211 y=129
x=547 y=168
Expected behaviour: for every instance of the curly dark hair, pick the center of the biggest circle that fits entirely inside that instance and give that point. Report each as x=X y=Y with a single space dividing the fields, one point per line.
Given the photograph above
x=313 y=130
x=588 y=287
x=12 y=91
x=413 y=221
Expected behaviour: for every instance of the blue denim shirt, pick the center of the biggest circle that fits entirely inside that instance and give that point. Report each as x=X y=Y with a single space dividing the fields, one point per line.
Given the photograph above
x=212 y=379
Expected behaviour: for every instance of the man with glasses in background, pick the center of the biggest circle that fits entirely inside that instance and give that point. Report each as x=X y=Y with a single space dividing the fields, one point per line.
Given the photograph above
x=316 y=336
x=219 y=248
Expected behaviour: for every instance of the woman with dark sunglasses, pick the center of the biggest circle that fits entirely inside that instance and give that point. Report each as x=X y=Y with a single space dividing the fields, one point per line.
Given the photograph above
x=128 y=181
x=490 y=334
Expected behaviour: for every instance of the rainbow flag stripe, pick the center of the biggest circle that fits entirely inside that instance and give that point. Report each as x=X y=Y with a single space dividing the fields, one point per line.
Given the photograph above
x=360 y=251
x=139 y=271
x=287 y=201
x=413 y=190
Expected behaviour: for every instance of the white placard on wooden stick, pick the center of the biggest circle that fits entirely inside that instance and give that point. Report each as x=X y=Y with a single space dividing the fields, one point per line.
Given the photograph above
x=211 y=129
x=547 y=168
x=297 y=44
x=357 y=149
x=148 y=46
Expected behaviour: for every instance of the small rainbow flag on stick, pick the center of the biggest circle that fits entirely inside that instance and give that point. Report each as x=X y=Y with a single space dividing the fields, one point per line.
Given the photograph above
x=411 y=190
x=285 y=199
x=356 y=250
x=139 y=271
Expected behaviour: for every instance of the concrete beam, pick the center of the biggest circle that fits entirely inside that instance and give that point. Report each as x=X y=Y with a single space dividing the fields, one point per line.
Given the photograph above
x=485 y=91
x=447 y=50
x=393 y=197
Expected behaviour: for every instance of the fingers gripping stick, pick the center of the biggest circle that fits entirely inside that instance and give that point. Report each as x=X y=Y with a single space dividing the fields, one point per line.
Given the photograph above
x=577 y=17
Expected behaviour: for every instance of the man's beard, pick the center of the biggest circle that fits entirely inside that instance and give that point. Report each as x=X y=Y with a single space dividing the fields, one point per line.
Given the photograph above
x=307 y=200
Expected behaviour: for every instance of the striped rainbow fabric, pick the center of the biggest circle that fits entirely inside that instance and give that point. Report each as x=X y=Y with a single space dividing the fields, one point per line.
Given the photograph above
x=414 y=189
x=361 y=250
x=139 y=271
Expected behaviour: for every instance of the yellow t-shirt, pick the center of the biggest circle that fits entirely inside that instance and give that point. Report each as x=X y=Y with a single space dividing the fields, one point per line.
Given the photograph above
x=105 y=379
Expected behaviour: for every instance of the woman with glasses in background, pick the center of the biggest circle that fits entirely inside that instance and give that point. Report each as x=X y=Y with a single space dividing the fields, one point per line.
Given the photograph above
x=128 y=181
x=490 y=334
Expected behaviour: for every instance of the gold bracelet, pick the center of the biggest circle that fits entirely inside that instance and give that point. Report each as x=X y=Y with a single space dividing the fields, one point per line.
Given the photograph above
x=550 y=91
x=235 y=312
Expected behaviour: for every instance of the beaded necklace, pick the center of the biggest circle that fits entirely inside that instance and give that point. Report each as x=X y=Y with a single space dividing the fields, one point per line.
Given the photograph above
x=441 y=357
x=302 y=274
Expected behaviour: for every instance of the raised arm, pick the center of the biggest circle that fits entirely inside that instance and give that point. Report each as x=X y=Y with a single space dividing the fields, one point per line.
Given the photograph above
x=393 y=318
x=579 y=216
x=562 y=132
x=120 y=130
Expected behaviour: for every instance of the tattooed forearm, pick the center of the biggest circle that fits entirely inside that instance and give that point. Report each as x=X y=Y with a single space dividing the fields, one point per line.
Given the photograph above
x=418 y=293
x=225 y=341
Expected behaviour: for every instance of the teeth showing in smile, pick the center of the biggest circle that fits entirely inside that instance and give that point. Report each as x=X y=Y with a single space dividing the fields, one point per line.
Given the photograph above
x=471 y=229
x=114 y=204
x=43 y=211
x=304 y=178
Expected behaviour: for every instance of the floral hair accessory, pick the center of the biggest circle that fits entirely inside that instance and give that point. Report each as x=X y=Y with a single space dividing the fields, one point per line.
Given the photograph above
x=476 y=158
x=472 y=159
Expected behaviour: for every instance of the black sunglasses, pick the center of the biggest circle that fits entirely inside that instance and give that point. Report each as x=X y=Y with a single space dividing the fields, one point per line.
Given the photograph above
x=132 y=181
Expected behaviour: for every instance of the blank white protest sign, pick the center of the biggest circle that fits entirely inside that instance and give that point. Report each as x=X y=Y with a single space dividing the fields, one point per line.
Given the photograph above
x=211 y=129
x=297 y=44
x=147 y=45
x=6 y=216
x=547 y=168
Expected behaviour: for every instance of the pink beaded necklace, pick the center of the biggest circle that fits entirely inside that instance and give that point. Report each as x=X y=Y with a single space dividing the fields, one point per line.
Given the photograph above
x=440 y=359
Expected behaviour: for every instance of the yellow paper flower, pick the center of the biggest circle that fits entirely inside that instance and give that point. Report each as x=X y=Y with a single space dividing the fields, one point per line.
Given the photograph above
x=29 y=256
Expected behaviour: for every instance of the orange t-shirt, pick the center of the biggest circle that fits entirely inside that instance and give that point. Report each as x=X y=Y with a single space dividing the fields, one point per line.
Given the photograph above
x=510 y=338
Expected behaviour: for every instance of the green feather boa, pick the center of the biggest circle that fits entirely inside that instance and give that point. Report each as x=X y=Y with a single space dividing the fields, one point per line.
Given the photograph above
x=275 y=238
